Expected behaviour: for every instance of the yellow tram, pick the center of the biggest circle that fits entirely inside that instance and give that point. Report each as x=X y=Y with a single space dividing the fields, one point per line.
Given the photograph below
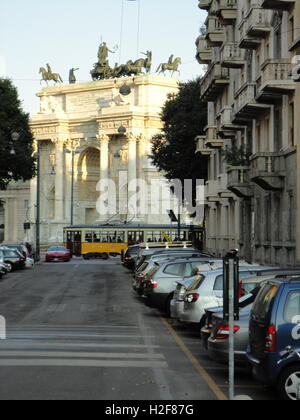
x=115 y=239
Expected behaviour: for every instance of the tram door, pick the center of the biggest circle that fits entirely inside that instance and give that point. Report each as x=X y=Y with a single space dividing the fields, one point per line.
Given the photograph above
x=74 y=242
x=135 y=237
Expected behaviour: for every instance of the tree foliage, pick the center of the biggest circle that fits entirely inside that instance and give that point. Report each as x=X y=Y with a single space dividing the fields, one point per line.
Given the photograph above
x=174 y=150
x=21 y=165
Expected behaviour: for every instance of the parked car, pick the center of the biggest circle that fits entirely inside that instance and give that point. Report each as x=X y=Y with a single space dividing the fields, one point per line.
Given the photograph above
x=29 y=262
x=161 y=283
x=141 y=276
x=19 y=247
x=3 y=270
x=150 y=249
x=166 y=253
x=207 y=292
x=274 y=345
x=58 y=253
x=218 y=343
x=130 y=254
x=13 y=258
x=206 y=331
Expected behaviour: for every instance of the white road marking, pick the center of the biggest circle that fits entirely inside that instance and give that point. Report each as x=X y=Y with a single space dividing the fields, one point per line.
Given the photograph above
x=81 y=363
x=83 y=355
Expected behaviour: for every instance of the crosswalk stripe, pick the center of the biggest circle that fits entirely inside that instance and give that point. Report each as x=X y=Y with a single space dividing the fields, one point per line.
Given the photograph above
x=84 y=355
x=12 y=344
x=81 y=363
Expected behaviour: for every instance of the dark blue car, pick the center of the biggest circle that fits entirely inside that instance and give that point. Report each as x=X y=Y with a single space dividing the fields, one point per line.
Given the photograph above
x=274 y=349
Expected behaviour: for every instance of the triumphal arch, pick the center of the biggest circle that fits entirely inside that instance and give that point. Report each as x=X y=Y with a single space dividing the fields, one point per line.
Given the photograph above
x=89 y=132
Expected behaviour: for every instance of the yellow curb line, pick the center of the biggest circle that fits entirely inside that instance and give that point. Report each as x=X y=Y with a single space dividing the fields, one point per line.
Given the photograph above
x=207 y=378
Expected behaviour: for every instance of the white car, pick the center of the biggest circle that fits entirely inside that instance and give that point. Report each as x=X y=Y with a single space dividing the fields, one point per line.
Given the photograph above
x=29 y=262
x=205 y=292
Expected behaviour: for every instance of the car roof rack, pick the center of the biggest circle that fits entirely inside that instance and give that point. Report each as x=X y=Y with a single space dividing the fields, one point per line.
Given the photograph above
x=279 y=272
x=166 y=245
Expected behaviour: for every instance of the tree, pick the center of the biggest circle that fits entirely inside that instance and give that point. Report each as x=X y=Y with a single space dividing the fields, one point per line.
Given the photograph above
x=174 y=149
x=16 y=140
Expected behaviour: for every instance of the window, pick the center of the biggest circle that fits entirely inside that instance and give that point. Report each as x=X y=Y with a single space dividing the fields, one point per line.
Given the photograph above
x=292 y=307
x=264 y=302
x=173 y=269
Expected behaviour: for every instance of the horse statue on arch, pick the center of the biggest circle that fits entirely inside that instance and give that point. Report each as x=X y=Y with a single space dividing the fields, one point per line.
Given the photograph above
x=172 y=65
x=145 y=63
x=48 y=75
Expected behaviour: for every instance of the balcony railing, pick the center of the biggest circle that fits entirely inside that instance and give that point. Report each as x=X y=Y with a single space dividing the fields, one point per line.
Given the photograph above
x=204 y=52
x=277 y=4
x=246 y=108
x=215 y=31
x=201 y=147
x=205 y=4
x=226 y=128
x=268 y=171
x=232 y=56
x=255 y=26
x=227 y=11
x=239 y=181
x=213 y=83
x=212 y=140
x=211 y=191
x=275 y=80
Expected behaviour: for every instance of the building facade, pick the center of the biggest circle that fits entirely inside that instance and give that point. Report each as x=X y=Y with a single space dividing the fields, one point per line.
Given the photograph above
x=252 y=200
x=91 y=132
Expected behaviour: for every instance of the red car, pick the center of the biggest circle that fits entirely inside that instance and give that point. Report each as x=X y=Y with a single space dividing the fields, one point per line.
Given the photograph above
x=58 y=253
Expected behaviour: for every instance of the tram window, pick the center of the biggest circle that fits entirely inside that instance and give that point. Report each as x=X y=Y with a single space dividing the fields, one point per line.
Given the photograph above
x=89 y=237
x=97 y=236
x=104 y=236
x=121 y=237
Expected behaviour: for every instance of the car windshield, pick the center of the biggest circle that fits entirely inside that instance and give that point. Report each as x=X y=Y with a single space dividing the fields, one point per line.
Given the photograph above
x=57 y=248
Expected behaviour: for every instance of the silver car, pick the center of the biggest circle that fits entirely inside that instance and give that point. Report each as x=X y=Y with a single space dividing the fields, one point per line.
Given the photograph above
x=162 y=282
x=207 y=292
x=141 y=276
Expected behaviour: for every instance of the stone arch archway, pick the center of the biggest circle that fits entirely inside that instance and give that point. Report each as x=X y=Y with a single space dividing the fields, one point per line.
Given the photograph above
x=88 y=173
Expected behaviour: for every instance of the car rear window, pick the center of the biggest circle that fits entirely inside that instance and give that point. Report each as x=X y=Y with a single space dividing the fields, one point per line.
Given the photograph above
x=292 y=307
x=219 y=283
x=264 y=302
x=199 y=279
x=173 y=269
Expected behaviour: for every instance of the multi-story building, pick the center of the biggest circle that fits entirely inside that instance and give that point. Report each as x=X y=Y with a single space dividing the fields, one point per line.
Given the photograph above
x=253 y=104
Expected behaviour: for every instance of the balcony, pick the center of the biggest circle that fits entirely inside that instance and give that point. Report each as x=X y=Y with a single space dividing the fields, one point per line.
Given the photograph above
x=215 y=31
x=204 y=4
x=214 y=82
x=201 y=147
x=227 y=11
x=211 y=191
x=277 y=4
x=226 y=128
x=268 y=171
x=255 y=26
x=275 y=80
x=204 y=52
x=212 y=141
x=232 y=56
x=246 y=108
x=239 y=181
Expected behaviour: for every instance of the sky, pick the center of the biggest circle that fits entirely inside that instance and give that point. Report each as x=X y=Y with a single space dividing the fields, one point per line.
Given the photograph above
x=67 y=33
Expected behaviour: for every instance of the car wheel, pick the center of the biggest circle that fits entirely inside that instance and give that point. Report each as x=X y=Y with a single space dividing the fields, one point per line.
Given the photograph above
x=11 y=267
x=289 y=383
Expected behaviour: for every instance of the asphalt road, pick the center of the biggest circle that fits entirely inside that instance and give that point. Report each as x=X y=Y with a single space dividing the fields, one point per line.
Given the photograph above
x=76 y=331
